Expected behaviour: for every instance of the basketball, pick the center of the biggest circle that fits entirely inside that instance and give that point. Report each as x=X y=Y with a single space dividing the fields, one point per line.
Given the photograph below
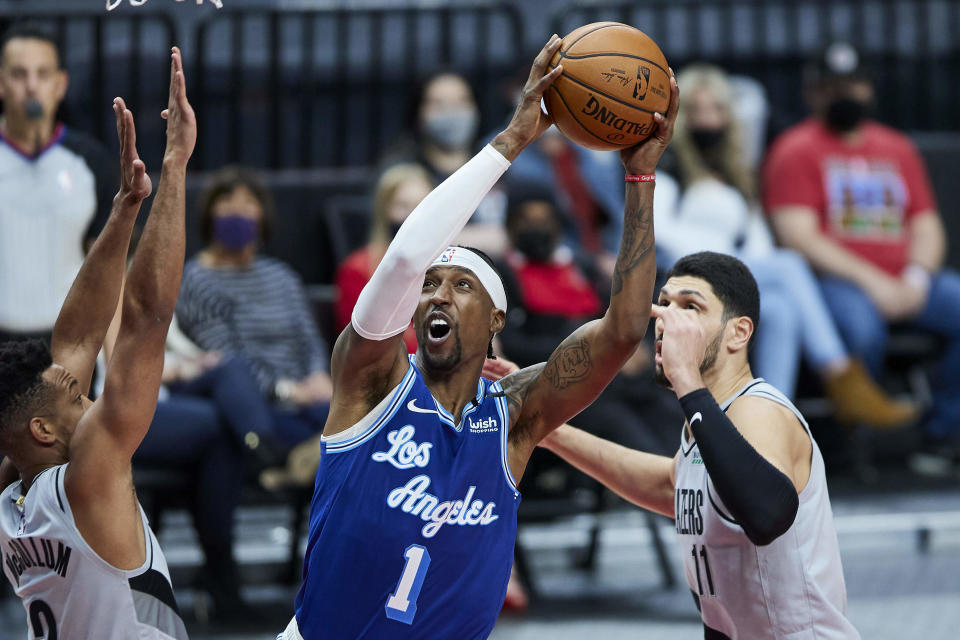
x=614 y=78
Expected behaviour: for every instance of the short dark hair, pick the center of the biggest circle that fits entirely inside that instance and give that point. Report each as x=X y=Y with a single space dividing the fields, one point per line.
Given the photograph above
x=492 y=265
x=22 y=387
x=225 y=181
x=30 y=31
x=731 y=280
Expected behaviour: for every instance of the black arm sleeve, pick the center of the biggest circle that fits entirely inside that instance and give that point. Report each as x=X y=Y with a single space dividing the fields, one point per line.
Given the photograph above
x=760 y=497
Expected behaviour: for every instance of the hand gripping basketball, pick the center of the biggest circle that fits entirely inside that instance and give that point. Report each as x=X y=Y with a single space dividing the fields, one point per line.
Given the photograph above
x=642 y=158
x=529 y=120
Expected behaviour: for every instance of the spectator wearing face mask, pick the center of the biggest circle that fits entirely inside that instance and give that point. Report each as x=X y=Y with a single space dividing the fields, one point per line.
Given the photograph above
x=549 y=294
x=716 y=209
x=399 y=190
x=588 y=184
x=854 y=198
x=553 y=293
x=442 y=131
x=244 y=305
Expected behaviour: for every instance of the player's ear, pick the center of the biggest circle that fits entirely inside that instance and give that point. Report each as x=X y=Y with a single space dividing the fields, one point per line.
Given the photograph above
x=42 y=431
x=498 y=320
x=739 y=331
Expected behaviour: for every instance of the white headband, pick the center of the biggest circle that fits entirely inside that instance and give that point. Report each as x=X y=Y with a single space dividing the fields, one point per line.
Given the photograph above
x=466 y=259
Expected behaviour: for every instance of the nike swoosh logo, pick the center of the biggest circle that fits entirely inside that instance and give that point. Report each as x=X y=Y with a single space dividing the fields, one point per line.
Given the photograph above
x=412 y=406
x=695 y=418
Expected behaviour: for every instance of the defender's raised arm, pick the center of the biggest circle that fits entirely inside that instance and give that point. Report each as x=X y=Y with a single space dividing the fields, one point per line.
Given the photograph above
x=112 y=429
x=92 y=300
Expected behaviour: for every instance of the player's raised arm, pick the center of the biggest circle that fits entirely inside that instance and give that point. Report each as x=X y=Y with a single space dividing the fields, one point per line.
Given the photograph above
x=370 y=357
x=544 y=396
x=92 y=300
x=112 y=429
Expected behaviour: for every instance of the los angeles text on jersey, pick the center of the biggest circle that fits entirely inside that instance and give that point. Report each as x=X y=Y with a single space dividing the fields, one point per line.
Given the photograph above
x=413 y=497
x=689 y=511
x=27 y=553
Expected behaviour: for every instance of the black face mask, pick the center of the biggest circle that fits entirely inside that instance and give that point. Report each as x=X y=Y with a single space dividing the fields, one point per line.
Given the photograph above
x=535 y=244
x=844 y=114
x=708 y=139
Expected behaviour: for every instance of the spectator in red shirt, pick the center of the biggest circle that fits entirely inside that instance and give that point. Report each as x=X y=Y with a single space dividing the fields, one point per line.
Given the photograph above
x=853 y=197
x=551 y=292
x=399 y=190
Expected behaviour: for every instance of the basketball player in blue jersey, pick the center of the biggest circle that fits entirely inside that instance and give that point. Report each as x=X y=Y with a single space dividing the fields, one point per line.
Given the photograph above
x=75 y=544
x=413 y=517
x=747 y=487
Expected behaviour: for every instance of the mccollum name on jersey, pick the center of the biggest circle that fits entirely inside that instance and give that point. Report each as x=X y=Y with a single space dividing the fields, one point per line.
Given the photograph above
x=22 y=554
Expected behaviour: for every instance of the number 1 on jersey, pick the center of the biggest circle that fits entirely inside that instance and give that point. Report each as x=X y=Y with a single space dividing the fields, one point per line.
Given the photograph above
x=402 y=604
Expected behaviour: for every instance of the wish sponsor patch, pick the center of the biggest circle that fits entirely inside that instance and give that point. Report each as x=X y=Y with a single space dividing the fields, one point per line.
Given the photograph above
x=487 y=425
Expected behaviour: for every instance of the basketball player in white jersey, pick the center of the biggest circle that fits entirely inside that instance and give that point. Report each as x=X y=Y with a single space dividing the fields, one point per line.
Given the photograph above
x=75 y=543
x=747 y=487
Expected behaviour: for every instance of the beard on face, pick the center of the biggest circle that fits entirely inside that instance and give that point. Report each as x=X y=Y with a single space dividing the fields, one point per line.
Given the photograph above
x=709 y=359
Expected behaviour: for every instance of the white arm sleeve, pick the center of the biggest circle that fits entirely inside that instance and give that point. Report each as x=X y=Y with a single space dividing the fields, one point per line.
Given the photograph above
x=389 y=300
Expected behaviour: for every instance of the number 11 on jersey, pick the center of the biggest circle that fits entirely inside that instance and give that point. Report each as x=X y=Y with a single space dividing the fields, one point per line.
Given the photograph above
x=402 y=604
x=706 y=569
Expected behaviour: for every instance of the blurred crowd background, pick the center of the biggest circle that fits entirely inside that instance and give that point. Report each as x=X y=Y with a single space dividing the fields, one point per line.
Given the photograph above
x=323 y=124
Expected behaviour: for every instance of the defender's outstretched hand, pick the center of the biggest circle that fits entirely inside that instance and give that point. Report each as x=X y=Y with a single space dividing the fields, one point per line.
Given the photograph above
x=135 y=184
x=181 y=121
x=529 y=120
x=643 y=158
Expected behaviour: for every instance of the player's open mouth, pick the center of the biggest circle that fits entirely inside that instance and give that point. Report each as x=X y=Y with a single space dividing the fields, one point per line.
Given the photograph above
x=438 y=329
x=657 y=357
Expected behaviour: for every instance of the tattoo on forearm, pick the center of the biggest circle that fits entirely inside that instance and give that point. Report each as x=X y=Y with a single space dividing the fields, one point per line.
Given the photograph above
x=635 y=245
x=502 y=147
x=570 y=363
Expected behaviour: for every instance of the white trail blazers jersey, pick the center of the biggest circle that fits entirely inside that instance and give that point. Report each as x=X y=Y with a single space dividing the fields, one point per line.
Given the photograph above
x=791 y=589
x=68 y=591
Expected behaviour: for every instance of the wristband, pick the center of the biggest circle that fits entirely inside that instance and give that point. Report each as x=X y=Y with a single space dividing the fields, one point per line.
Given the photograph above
x=645 y=177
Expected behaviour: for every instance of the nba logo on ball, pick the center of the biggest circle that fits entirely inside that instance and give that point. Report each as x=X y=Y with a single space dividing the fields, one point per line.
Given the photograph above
x=643 y=81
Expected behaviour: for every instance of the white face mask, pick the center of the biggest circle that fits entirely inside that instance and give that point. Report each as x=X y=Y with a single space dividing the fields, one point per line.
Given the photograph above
x=452 y=129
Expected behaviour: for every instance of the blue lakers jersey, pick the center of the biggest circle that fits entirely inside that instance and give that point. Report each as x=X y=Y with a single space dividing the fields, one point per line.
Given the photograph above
x=413 y=521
